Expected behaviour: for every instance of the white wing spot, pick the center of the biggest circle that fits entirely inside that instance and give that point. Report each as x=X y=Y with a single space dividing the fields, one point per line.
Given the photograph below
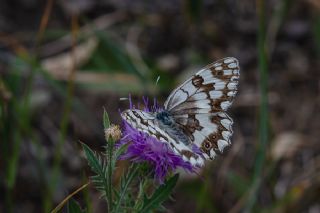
x=232 y=93
x=185 y=158
x=193 y=161
x=220 y=86
x=232 y=65
x=226 y=135
x=202 y=104
x=199 y=96
x=217 y=64
x=226 y=123
x=222 y=144
x=225 y=105
x=215 y=94
x=218 y=68
x=200 y=162
x=228 y=60
x=212 y=154
x=227 y=72
x=232 y=85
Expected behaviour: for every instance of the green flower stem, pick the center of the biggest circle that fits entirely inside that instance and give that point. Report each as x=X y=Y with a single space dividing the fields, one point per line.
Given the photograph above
x=110 y=174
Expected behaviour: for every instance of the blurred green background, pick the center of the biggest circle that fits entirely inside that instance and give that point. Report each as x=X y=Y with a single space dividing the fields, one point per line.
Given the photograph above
x=62 y=62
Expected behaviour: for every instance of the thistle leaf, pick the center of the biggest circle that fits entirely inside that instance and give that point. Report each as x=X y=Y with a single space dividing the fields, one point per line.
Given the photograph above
x=120 y=151
x=161 y=194
x=124 y=185
x=99 y=167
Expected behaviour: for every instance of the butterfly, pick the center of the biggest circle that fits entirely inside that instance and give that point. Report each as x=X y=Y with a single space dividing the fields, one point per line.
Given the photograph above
x=194 y=122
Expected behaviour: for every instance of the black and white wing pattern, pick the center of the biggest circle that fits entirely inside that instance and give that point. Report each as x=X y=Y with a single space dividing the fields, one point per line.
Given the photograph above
x=198 y=105
x=194 y=122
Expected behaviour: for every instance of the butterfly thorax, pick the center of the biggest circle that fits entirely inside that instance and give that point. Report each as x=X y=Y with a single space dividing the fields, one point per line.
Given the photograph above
x=167 y=122
x=165 y=118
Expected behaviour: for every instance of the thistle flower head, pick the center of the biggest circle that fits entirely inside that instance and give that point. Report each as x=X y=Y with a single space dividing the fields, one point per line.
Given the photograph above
x=146 y=148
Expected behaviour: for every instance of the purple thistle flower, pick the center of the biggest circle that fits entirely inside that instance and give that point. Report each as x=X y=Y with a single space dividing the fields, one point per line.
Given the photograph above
x=145 y=148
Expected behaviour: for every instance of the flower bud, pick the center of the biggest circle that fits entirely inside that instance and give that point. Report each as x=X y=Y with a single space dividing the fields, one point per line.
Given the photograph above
x=113 y=132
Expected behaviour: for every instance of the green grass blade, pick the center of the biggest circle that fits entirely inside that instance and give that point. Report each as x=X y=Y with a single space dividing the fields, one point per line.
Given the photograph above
x=263 y=113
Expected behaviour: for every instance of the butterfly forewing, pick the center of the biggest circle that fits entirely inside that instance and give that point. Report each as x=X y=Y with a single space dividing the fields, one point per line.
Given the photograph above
x=212 y=89
x=146 y=122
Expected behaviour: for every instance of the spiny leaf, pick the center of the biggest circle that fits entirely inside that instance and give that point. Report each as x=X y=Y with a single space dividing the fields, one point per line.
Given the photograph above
x=116 y=193
x=160 y=195
x=98 y=167
x=93 y=160
x=120 y=151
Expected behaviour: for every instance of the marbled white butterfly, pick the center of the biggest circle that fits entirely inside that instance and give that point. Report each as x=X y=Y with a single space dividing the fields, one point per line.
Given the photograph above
x=194 y=121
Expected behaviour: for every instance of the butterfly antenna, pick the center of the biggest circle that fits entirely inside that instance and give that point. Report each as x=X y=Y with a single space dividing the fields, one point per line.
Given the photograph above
x=155 y=107
x=157 y=79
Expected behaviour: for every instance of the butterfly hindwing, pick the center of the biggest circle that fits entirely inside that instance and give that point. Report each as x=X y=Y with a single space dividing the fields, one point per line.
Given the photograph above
x=210 y=132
